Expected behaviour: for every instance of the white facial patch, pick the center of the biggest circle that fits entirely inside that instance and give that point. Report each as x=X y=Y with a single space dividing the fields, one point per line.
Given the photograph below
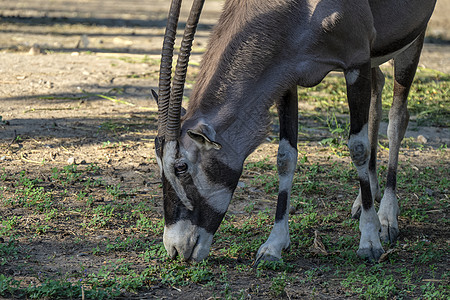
x=217 y=196
x=158 y=160
x=189 y=241
x=352 y=76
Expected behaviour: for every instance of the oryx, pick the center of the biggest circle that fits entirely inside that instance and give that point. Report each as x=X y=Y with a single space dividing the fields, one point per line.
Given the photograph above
x=257 y=55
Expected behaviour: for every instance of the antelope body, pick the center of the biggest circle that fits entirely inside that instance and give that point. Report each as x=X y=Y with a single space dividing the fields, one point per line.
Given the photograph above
x=258 y=53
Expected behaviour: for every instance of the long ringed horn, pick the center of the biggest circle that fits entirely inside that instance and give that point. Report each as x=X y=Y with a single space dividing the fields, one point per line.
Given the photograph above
x=165 y=72
x=176 y=96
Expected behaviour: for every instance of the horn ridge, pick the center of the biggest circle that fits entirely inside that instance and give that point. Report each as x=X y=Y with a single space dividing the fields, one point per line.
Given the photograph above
x=176 y=96
x=165 y=72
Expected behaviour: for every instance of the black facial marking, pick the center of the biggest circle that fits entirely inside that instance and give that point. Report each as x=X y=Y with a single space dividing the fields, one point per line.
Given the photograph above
x=281 y=206
x=203 y=215
x=220 y=173
x=171 y=202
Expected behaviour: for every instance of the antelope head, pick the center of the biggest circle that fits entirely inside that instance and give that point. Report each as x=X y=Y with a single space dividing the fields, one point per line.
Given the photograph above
x=197 y=184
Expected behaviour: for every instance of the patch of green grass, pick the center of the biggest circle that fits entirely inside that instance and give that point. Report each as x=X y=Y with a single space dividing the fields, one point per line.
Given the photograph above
x=371 y=283
x=428 y=102
x=278 y=285
x=123 y=228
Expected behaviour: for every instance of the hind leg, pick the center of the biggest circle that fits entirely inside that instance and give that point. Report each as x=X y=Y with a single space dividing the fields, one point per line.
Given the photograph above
x=374 y=125
x=405 y=65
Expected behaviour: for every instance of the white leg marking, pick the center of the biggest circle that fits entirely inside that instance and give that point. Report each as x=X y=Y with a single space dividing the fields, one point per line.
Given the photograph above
x=388 y=214
x=369 y=224
x=279 y=236
x=190 y=241
x=359 y=147
x=278 y=240
x=352 y=76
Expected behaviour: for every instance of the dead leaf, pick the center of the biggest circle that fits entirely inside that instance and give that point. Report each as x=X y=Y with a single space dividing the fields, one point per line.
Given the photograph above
x=318 y=247
x=385 y=255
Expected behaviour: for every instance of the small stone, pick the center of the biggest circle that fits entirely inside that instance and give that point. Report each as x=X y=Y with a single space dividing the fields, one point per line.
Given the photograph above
x=429 y=192
x=82 y=254
x=3 y=158
x=241 y=184
x=35 y=50
x=254 y=190
x=71 y=161
x=421 y=139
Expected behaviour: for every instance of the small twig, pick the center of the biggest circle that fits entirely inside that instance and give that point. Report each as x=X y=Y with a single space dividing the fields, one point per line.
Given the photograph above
x=50 y=109
x=175 y=288
x=31 y=161
x=115 y=100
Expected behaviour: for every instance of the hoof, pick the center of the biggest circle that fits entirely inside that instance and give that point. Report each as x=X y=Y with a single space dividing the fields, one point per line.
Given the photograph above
x=266 y=257
x=370 y=254
x=389 y=234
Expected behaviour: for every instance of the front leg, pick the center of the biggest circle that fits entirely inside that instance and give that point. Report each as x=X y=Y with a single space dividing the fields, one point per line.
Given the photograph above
x=359 y=92
x=286 y=163
x=374 y=125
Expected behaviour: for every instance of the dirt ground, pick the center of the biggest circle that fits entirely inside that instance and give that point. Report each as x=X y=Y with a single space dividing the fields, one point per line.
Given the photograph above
x=64 y=64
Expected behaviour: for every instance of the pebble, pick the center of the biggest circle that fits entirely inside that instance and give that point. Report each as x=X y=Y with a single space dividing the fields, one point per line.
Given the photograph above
x=241 y=184
x=71 y=161
x=421 y=139
x=3 y=158
x=34 y=50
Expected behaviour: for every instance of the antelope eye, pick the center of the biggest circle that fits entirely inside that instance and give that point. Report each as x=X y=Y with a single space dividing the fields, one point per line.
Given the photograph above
x=180 y=168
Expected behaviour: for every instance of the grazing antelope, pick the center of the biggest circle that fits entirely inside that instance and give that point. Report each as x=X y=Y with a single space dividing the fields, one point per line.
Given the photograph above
x=258 y=53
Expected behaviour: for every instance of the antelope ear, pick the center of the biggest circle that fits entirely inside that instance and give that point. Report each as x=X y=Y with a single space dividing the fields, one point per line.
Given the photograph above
x=155 y=95
x=200 y=136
